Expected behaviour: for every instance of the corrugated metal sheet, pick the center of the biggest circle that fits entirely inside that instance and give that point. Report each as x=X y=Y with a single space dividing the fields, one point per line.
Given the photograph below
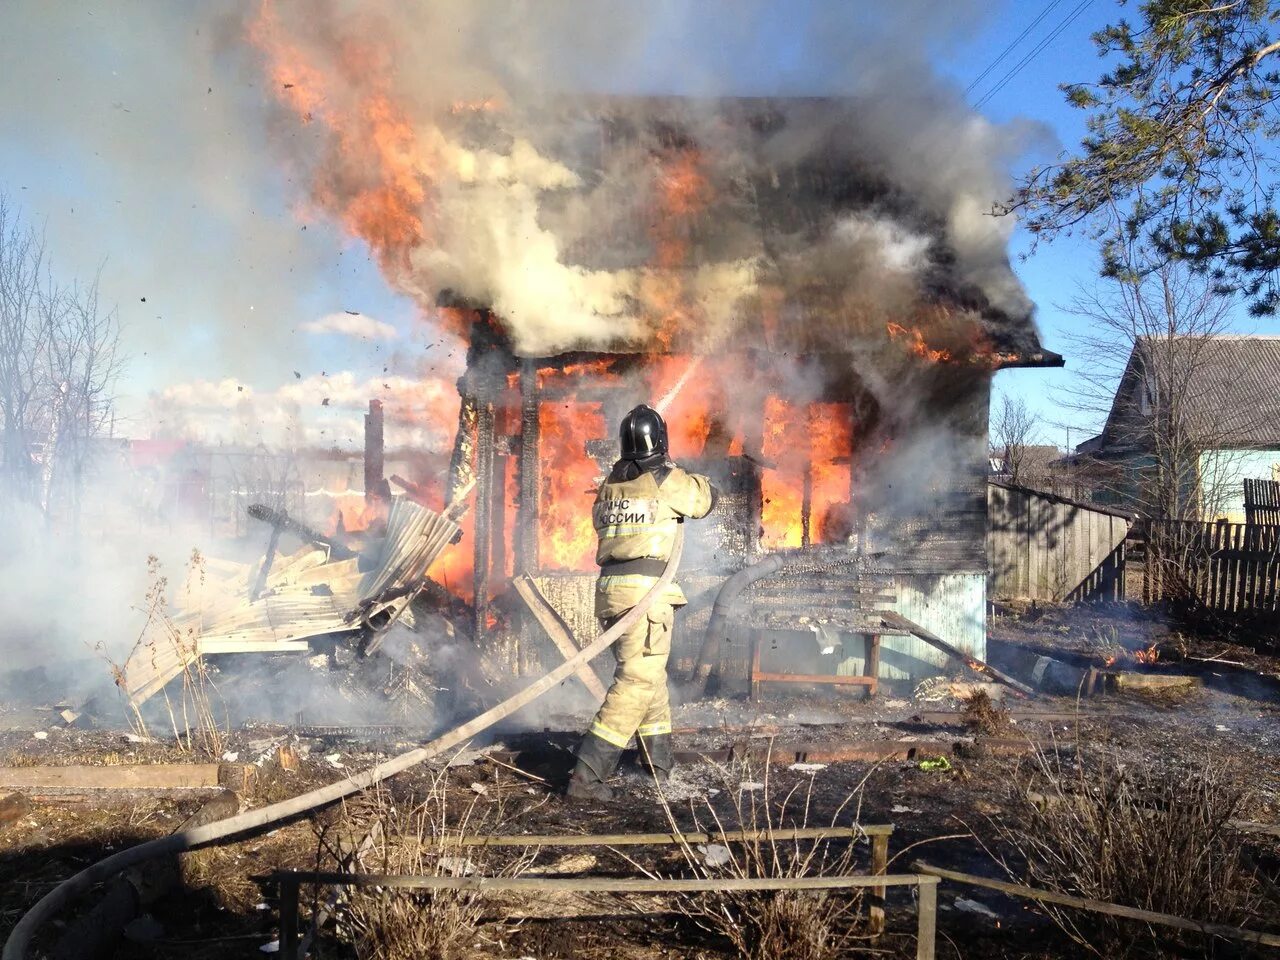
x=1227 y=390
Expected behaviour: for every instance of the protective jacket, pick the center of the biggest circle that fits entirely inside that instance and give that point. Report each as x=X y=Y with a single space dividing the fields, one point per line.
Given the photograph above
x=635 y=516
x=636 y=513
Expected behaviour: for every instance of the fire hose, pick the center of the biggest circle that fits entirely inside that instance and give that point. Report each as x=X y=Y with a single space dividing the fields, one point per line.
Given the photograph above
x=19 y=941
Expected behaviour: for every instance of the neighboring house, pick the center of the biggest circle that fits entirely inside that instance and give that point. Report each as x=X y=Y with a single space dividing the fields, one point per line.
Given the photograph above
x=1192 y=418
x=1032 y=465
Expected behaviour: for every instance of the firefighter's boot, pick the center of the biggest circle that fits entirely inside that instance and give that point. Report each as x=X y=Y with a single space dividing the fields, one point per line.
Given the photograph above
x=597 y=760
x=656 y=756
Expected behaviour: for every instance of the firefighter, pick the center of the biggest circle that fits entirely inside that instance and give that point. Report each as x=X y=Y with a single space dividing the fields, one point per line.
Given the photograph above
x=635 y=516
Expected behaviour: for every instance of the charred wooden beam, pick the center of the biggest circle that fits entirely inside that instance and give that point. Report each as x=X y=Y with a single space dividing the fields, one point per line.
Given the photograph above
x=527 y=517
x=895 y=620
x=483 y=539
x=281 y=520
x=267 y=559
x=414 y=491
x=375 y=485
x=462 y=463
x=806 y=506
x=498 y=552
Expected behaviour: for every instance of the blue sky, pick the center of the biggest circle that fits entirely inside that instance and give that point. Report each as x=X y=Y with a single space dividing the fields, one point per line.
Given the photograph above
x=161 y=167
x=1054 y=271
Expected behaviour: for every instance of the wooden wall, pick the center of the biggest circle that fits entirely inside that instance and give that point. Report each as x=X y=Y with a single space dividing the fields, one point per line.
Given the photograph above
x=1044 y=547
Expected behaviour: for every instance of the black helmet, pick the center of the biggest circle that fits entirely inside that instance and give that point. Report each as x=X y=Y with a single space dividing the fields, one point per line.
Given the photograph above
x=643 y=433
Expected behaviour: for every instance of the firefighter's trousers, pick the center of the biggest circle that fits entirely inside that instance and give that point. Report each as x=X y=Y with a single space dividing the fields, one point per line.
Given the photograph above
x=637 y=701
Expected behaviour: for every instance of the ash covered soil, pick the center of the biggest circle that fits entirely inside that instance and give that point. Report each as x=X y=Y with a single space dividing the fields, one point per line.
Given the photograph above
x=966 y=813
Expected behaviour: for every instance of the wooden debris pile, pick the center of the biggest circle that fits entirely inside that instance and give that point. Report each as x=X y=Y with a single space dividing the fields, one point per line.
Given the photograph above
x=286 y=605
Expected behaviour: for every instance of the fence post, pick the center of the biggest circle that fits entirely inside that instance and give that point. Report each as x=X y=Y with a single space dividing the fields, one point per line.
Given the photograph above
x=288 y=917
x=879 y=866
x=927 y=919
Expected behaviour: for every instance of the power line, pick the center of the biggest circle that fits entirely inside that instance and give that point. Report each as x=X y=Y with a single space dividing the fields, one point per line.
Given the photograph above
x=1009 y=49
x=1069 y=19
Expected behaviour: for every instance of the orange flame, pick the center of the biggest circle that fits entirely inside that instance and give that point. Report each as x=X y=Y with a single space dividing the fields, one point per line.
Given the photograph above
x=1148 y=655
x=682 y=192
x=569 y=480
x=352 y=513
x=454 y=567
x=376 y=181
x=817 y=441
x=917 y=345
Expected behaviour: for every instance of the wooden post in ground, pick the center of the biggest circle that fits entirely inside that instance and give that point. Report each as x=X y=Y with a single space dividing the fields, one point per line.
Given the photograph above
x=926 y=920
x=288 y=918
x=873 y=662
x=879 y=867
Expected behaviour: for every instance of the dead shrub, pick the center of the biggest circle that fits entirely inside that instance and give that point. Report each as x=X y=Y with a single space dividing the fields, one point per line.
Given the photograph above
x=379 y=835
x=194 y=718
x=1158 y=840
x=772 y=925
x=983 y=715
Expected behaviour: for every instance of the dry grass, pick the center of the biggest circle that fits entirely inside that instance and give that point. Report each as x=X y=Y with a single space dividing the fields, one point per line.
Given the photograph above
x=194 y=716
x=1157 y=840
x=379 y=835
x=985 y=716
x=773 y=925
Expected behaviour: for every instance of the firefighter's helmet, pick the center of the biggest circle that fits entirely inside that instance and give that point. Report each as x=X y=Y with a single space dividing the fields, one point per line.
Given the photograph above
x=643 y=433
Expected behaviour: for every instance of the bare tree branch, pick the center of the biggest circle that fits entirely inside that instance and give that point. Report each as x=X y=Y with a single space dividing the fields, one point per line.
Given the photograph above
x=60 y=360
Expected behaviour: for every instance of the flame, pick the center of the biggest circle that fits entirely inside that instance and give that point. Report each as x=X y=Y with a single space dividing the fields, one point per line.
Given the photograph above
x=830 y=438
x=1148 y=655
x=352 y=513
x=454 y=567
x=816 y=439
x=377 y=180
x=916 y=343
x=569 y=481
x=688 y=411
x=682 y=192
x=973 y=345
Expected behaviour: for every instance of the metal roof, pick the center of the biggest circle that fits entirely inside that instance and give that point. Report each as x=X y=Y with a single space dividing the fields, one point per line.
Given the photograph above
x=1228 y=388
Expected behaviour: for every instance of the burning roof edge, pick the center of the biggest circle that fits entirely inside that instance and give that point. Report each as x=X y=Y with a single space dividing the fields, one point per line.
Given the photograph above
x=1026 y=353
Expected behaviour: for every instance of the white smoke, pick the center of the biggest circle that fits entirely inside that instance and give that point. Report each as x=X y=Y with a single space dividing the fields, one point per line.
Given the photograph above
x=524 y=210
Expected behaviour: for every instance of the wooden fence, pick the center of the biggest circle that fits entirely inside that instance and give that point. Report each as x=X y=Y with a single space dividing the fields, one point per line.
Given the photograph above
x=1045 y=547
x=1261 y=502
x=1224 y=567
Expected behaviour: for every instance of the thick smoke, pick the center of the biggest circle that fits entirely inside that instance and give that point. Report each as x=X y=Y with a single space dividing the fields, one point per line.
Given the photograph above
x=464 y=141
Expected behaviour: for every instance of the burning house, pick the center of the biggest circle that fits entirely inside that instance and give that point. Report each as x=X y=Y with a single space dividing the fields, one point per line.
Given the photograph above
x=812 y=289
x=821 y=346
